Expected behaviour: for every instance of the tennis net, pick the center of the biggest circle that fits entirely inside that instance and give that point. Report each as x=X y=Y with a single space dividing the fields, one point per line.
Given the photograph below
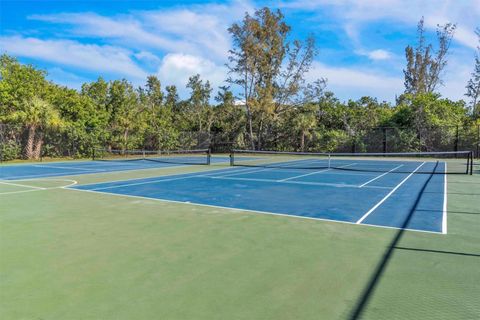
x=187 y=157
x=460 y=162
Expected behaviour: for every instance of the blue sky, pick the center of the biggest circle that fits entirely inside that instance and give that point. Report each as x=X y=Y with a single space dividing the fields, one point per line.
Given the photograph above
x=361 y=43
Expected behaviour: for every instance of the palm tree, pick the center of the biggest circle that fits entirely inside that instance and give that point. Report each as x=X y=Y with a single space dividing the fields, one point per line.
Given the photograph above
x=37 y=115
x=305 y=121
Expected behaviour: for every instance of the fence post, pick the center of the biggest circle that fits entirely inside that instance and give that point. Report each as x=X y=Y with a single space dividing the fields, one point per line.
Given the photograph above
x=1 y=143
x=478 y=141
x=455 y=147
x=384 y=140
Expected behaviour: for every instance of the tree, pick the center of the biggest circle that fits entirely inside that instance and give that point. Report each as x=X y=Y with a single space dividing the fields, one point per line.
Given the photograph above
x=172 y=98
x=97 y=91
x=19 y=83
x=154 y=92
x=229 y=120
x=305 y=121
x=151 y=102
x=424 y=66
x=124 y=111
x=37 y=115
x=24 y=101
x=434 y=119
x=267 y=67
x=199 y=102
x=473 y=86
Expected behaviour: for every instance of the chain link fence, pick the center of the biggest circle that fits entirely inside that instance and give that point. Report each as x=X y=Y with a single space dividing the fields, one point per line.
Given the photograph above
x=18 y=142
x=382 y=139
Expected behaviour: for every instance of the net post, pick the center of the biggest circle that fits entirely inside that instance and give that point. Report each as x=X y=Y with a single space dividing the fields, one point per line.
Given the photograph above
x=209 y=156
x=471 y=162
x=329 y=160
x=468 y=163
x=232 y=158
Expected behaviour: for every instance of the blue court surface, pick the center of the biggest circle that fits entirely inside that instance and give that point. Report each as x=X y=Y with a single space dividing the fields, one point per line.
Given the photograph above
x=56 y=169
x=384 y=199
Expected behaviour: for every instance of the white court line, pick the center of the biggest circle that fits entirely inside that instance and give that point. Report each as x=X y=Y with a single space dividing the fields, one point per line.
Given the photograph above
x=47 y=175
x=22 y=191
x=293 y=216
x=311 y=173
x=160 y=179
x=255 y=170
x=361 y=186
x=303 y=175
x=210 y=172
x=387 y=196
x=240 y=171
x=340 y=185
x=72 y=183
x=68 y=168
x=106 y=171
x=20 y=185
x=444 y=215
x=142 y=183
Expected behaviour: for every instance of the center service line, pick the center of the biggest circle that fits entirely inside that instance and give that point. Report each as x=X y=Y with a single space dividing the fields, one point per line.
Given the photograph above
x=379 y=176
x=388 y=195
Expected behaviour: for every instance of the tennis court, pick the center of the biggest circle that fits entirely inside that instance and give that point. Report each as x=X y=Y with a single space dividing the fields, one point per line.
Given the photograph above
x=381 y=192
x=310 y=235
x=125 y=162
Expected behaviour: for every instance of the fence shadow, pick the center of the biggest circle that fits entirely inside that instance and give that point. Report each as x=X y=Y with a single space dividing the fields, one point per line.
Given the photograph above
x=383 y=263
x=440 y=251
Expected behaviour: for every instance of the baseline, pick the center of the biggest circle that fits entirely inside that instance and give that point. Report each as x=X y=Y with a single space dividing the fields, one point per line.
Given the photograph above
x=246 y=210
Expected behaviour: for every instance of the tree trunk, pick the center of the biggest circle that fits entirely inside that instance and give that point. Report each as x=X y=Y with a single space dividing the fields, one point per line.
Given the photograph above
x=302 y=141
x=250 y=123
x=30 y=142
x=250 y=127
x=125 y=139
x=259 y=135
x=37 y=152
x=200 y=127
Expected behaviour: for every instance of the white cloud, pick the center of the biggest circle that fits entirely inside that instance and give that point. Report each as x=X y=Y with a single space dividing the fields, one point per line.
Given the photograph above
x=196 y=30
x=176 y=68
x=70 y=53
x=354 y=13
x=456 y=77
x=65 y=78
x=148 y=57
x=125 y=29
x=351 y=83
x=379 y=54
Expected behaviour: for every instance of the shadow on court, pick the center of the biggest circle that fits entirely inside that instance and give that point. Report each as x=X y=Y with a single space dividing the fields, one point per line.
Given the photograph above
x=383 y=263
x=451 y=211
x=440 y=251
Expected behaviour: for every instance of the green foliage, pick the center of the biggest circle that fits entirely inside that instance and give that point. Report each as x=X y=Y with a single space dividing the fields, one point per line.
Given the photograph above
x=268 y=69
x=10 y=150
x=424 y=65
x=473 y=85
x=277 y=109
